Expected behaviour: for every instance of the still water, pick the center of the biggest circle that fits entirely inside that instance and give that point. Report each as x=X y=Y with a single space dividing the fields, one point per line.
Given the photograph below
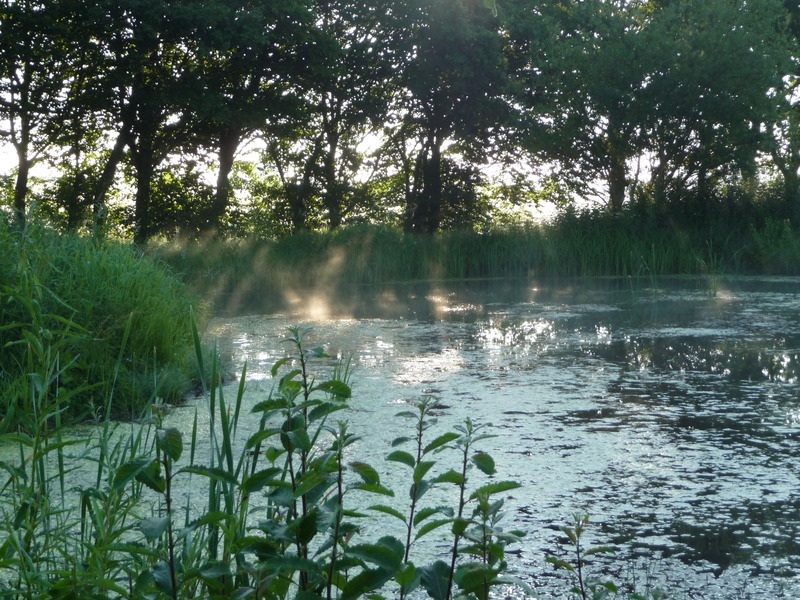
x=668 y=411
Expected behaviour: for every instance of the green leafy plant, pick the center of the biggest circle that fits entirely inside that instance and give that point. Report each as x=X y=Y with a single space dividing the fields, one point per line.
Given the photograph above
x=282 y=517
x=483 y=539
x=584 y=587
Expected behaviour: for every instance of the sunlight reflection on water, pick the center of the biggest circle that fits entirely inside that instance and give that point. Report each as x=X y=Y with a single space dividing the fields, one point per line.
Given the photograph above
x=670 y=415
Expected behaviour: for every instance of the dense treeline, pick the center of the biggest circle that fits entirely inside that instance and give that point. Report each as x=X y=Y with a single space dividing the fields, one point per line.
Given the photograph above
x=164 y=116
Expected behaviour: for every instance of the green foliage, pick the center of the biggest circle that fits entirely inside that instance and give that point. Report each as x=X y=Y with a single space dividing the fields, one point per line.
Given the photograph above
x=590 y=588
x=282 y=517
x=106 y=320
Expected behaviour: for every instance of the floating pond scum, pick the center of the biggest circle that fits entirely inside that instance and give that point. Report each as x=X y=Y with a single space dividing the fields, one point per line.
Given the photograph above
x=668 y=413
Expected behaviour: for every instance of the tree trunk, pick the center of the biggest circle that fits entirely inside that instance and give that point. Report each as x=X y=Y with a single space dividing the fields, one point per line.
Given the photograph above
x=143 y=161
x=124 y=139
x=791 y=190
x=229 y=141
x=616 y=183
x=617 y=174
x=99 y=208
x=21 y=189
x=24 y=162
x=333 y=198
x=427 y=214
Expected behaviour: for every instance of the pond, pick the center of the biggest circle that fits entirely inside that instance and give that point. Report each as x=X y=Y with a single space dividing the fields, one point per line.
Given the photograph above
x=666 y=410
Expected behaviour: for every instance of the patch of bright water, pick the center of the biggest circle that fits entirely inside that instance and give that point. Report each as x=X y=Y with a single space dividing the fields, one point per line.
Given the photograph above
x=671 y=416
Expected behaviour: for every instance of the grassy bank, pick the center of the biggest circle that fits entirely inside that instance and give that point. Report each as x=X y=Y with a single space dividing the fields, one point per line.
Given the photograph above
x=82 y=322
x=575 y=244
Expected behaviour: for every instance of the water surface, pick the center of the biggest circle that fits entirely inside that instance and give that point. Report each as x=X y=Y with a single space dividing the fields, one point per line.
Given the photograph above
x=668 y=412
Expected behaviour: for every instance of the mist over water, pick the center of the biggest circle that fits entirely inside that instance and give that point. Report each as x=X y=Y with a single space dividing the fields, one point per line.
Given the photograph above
x=667 y=411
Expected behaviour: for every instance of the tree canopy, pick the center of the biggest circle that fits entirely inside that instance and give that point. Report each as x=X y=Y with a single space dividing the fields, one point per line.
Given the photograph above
x=165 y=116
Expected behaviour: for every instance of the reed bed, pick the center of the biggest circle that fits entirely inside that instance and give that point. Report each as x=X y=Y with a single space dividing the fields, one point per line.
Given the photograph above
x=574 y=245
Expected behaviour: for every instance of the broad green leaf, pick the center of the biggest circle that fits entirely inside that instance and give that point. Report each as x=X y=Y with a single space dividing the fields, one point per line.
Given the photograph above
x=273 y=453
x=306 y=527
x=259 y=479
x=288 y=379
x=242 y=593
x=288 y=562
x=408 y=578
x=214 y=570
x=422 y=469
x=418 y=490
x=153 y=528
x=484 y=462
x=389 y=511
x=325 y=409
x=367 y=473
x=400 y=440
x=259 y=437
x=440 y=441
x=475 y=579
x=386 y=554
x=151 y=476
x=450 y=476
x=162 y=578
x=424 y=514
x=430 y=526
x=309 y=481
x=170 y=442
x=402 y=457
x=435 y=579
x=276 y=367
x=460 y=525
x=335 y=388
x=494 y=488
x=282 y=495
x=278 y=403
x=366 y=581
x=127 y=472
x=296 y=440
x=318 y=352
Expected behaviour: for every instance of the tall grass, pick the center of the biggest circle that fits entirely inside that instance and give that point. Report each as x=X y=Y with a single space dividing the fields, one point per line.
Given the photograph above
x=83 y=296
x=240 y=271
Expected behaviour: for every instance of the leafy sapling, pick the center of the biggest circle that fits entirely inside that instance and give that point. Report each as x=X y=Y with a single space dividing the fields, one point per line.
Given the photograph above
x=585 y=588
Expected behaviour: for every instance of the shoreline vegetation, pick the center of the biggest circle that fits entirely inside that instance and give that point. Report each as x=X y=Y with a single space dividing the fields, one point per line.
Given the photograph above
x=102 y=330
x=106 y=305
x=235 y=273
x=82 y=321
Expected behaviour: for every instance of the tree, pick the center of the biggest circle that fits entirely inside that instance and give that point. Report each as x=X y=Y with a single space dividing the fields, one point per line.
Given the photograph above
x=682 y=83
x=34 y=64
x=454 y=86
x=579 y=70
x=363 y=44
x=783 y=127
x=708 y=97
x=250 y=61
